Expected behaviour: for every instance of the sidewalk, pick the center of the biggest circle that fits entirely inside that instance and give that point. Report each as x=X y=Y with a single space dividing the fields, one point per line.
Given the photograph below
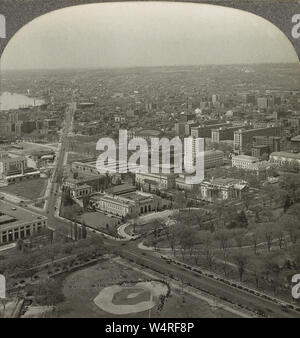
x=154 y=215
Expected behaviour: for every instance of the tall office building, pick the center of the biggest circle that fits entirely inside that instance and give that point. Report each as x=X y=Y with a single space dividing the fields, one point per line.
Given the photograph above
x=243 y=138
x=273 y=142
x=262 y=102
x=205 y=130
x=250 y=98
x=10 y=124
x=223 y=133
x=180 y=128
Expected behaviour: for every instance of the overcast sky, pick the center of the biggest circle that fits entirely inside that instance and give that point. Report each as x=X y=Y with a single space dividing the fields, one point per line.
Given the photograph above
x=145 y=34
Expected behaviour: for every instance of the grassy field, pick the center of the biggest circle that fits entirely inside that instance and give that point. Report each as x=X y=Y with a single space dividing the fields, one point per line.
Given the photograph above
x=73 y=157
x=80 y=289
x=30 y=189
x=98 y=220
x=28 y=148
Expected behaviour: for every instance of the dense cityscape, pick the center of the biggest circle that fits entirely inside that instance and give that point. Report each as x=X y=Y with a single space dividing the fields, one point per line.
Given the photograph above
x=226 y=247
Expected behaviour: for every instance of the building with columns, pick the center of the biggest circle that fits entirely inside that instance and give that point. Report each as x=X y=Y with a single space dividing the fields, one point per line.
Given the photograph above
x=130 y=204
x=220 y=189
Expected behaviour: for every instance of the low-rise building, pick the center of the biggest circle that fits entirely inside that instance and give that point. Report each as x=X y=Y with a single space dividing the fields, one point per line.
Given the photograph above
x=120 y=189
x=88 y=167
x=244 y=161
x=8 y=163
x=288 y=160
x=251 y=163
x=130 y=204
x=14 y=169
x=181 y=183
x=17 y=176
x=295 y=142
x=159 y=180
x=93 y=181
x=222 y=189
x=213 y=158
x=81 y=191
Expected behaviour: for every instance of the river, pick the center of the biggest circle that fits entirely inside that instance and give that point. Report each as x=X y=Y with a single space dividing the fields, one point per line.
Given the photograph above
x=15 y=101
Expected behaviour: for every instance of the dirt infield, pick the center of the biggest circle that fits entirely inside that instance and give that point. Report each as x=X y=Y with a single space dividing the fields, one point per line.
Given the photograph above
x=125 y=299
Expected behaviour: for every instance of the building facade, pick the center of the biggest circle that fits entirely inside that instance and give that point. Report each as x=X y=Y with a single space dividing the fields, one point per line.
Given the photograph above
x=205 y=130
x=223 y=133
x=220 y=189
x=162 y=181
x=295 y=143
x=273 y=142
x=18 y=223
x=8 y=164
x=10 y=124
x=131 y=204
x=288 y=160
x=243 y=138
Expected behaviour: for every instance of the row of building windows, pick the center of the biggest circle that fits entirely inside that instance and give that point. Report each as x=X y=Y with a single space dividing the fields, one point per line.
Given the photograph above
x=22 y=232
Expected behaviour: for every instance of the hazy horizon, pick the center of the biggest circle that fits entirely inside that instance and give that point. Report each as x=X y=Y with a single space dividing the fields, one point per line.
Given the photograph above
x=146 y=34
x=156 y=66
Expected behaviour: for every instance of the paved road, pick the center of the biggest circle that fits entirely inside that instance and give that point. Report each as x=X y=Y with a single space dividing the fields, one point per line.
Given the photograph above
x=130 y=251
x=53 y=222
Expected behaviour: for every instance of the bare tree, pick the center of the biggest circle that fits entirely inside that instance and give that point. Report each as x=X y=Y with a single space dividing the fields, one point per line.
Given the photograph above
x=223 y=236
x=268 y=233
x=206 y=239
x=256 y=267
x=254 y=238
x=279 y=233
x=239 y=237
x=291 y=225
x=241 y=260
x=210 y=258
x=172 y=238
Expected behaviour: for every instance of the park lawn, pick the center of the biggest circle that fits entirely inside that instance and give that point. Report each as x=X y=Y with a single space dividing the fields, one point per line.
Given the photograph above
x=81 y=287
x=29 y=189
x=28 y=148
x=98 y=220
x=73 y=157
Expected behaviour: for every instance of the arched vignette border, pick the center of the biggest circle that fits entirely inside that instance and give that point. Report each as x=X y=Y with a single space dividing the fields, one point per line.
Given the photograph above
x=279 y=12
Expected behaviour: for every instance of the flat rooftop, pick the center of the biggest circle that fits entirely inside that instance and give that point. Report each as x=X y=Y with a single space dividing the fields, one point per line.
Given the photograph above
x=225 y=180
x=16 y=215
x=135 y=196
x=295 y=156
x=121 y=189
x=296 y=138
x=127 y=198
x=213 y=152
x=245 y=157
x=244 y=131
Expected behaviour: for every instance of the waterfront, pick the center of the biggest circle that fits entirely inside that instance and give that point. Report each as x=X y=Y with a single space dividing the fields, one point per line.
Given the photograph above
x=10 y=101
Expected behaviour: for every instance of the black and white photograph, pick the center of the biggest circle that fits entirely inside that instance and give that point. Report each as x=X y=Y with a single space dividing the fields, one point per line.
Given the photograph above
x=149 y=165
